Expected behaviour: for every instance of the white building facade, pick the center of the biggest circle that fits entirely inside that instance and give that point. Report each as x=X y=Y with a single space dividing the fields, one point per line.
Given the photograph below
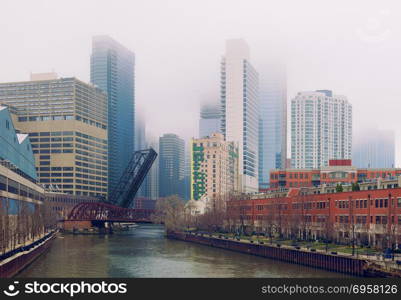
x=239 y=101
x=321 y=129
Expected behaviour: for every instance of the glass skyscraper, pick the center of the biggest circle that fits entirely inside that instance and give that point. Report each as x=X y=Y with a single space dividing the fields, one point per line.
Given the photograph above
x=272 y=122
x=171 y=165
x=112 y=69
x=374 y=148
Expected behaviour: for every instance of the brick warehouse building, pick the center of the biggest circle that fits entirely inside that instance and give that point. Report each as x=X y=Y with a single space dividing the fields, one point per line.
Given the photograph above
x=338 y=171
x=369 y=217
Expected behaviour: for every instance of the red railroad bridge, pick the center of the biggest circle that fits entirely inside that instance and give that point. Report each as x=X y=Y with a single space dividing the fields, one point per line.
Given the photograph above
x=117 y=208
x=99 y=214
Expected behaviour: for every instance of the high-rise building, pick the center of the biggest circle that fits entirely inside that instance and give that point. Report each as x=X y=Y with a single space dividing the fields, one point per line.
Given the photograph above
x=210 y=119
x=321 y=129
x=272 y=122
x=171 y=165
x=140 y=136
x=214 y=167
x=151 y=183
x=112 y=69
x=374 y=148
x=66 y=120
x=239 y=101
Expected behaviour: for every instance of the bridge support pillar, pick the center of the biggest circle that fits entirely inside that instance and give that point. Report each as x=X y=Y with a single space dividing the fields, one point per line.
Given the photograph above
x=71 y=225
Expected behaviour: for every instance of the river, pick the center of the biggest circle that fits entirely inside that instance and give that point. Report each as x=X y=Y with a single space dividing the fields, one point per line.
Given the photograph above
x=145 y=252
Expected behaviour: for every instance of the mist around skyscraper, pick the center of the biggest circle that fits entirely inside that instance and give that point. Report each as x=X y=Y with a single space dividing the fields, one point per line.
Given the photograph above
x=199 y=139
x=112 y=70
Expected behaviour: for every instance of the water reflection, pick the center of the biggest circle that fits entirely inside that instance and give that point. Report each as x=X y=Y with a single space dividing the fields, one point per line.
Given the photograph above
x=144 y=252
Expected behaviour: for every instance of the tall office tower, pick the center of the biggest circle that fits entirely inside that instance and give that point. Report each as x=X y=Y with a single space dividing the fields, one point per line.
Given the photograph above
x=66 y=120
x=112 y=69
x=240 y=118
x=210 y=119
x=171 y=165
x=151 y=182
x=140 y=137
x=374 y=148
x=272 y=122
x=214 y=167
x=321 y=129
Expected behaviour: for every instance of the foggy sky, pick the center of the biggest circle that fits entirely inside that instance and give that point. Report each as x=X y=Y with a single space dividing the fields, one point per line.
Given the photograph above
x=350 y=47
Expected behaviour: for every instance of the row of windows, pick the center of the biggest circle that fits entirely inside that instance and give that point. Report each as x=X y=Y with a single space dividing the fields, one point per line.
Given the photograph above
x=45 y=118
x=68 y=133
x=379 y=203
x=11 y=186
x=363 y=219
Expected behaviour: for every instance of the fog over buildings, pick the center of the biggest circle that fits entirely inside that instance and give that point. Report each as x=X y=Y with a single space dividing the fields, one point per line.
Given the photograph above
x=352 y=48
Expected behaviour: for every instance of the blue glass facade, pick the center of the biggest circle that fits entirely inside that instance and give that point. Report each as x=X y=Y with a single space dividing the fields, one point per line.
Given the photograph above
x=272 y=123
x=374 y=148
x=15 y=148
x=112 y=69
x=171 y=166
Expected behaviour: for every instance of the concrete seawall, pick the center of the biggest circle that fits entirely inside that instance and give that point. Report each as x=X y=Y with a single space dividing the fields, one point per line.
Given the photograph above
x=16 y=263
x=335 y=263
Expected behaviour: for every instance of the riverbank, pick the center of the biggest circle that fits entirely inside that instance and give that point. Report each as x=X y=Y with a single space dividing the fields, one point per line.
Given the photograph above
x=327 y=261
x=18 y=259
x=145 y=252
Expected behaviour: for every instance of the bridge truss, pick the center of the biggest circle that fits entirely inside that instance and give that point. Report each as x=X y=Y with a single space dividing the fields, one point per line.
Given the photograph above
x=117 y=208
x=124 y=193
x=98 y=211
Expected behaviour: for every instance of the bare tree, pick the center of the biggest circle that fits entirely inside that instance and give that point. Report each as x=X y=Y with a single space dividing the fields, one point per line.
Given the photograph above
x=170 y=211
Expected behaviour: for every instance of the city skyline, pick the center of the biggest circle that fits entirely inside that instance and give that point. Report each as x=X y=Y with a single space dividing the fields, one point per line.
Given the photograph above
x=200 y=139
x=352 y=66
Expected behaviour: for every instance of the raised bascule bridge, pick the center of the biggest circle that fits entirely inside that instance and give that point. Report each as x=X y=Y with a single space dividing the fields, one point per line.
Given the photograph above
x=119 y=207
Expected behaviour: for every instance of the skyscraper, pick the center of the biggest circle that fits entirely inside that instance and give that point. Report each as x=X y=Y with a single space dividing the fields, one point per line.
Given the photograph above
x=151 y=182
x=112 y=69
x=321 y=129
x=171 y=165
x=272 y=122
x=66 y=120
x=210 y=119
x=374 y=148
x=239 y=101
x=140 y=136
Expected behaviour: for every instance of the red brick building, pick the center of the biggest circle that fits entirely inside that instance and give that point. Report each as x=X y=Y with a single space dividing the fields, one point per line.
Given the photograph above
x=338 y=171
x=370 y=217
